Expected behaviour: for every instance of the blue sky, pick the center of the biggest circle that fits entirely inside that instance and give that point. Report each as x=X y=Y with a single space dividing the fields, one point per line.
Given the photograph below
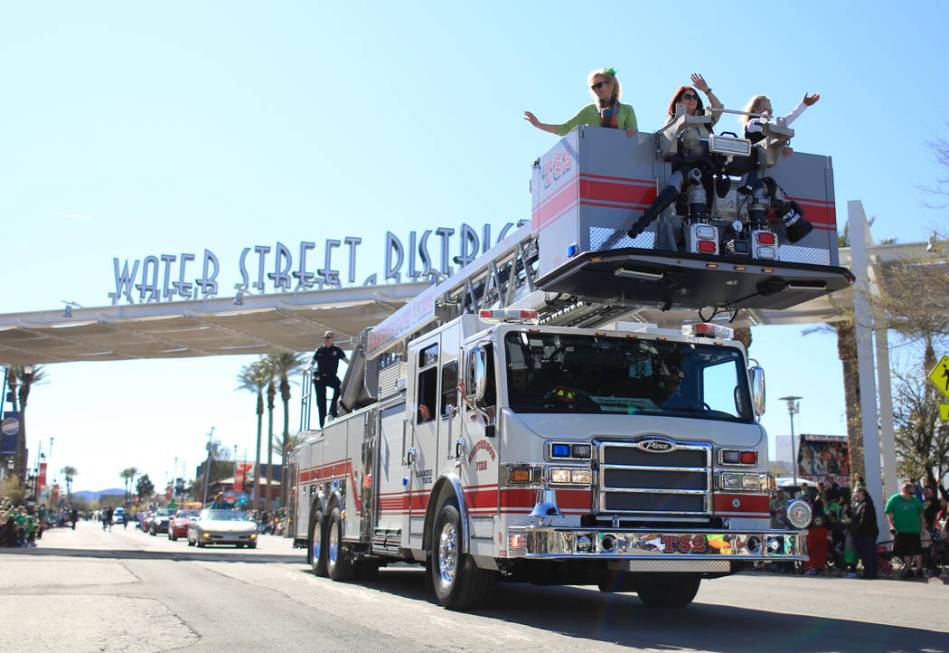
x=128 y=130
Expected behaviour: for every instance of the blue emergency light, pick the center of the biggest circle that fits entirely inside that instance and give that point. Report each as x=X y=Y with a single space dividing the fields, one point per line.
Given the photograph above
x=560 y=451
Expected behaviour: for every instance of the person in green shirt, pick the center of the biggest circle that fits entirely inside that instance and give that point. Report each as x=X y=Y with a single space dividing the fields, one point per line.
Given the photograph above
x=904 y=511
x=606 y=111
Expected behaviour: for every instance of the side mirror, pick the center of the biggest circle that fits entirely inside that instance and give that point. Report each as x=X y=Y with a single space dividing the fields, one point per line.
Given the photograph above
x=756 y=378
x=477 y=374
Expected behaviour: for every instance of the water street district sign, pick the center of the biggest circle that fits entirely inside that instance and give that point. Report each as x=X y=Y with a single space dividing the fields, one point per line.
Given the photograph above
x=939 y=376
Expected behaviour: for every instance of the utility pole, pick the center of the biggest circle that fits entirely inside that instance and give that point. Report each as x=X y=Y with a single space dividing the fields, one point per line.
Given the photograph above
x=794 y=407
x=207 y=466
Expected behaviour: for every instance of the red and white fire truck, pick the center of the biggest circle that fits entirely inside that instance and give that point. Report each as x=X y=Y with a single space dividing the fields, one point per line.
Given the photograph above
x=520 y=422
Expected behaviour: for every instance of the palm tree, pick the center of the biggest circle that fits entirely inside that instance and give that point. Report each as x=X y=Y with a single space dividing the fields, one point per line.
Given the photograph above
x=128 y=475
x=253 y=377
x=284 y=365
x=266 y=365
x=23 y=377
x=70 y=473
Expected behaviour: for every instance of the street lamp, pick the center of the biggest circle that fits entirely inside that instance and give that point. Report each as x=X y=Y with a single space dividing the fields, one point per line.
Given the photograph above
x=794 y=407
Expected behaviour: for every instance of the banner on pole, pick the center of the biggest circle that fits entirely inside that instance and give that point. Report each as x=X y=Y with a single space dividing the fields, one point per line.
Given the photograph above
x=9 y=430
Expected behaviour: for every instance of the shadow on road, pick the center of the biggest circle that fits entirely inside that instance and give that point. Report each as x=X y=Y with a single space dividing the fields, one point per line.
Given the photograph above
x=187 y=555
x=622 y=619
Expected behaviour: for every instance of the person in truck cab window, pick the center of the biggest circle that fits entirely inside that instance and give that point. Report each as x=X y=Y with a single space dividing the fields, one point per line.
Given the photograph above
x=606 y=111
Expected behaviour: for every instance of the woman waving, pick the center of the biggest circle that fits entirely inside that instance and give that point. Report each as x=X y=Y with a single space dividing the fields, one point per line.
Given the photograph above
x=607 y=111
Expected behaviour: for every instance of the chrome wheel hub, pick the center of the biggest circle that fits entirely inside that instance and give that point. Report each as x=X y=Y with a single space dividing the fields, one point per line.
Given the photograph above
x=333 y=543
x=447 y=554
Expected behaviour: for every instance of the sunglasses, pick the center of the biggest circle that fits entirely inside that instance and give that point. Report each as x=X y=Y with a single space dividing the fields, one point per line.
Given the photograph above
x=599 y=85
x=689 y=96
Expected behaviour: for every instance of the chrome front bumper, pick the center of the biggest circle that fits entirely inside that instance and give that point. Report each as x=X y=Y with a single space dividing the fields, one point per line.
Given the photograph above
x=679 y=544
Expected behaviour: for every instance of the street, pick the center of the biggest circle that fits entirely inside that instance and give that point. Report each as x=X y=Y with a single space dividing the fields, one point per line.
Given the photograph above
x=89 y=590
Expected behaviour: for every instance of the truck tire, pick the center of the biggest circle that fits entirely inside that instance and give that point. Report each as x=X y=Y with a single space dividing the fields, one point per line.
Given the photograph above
x=316 y=551
x=668 y=590
x=458 y=583
x=338 y=563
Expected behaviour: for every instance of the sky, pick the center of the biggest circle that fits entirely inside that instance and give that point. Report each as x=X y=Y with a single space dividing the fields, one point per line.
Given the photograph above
x=129 y=129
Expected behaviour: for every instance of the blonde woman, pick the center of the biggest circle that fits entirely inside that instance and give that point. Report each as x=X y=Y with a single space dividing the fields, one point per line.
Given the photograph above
x=606 y=111
x=762 y=104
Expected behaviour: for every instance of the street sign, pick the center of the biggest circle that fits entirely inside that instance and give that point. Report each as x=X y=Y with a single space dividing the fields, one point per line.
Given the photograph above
x=939 y=376
x=944 y=412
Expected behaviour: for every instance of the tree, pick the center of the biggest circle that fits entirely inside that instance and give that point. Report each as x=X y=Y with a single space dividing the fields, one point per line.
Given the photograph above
x=914 y=298
x=271 y=393
x=846 y=333
x=922 y=440
x=23 y=378
x=70 y=473
x=144 y=487
x=128 y=475
x=284 y=365
x=254 y=378
x=220 y=468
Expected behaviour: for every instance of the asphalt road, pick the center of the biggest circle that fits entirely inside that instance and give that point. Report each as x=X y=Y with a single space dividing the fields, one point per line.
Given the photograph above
x=89 y=590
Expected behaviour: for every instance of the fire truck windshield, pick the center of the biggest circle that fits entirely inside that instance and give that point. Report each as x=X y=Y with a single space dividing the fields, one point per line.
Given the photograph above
x=560 y=373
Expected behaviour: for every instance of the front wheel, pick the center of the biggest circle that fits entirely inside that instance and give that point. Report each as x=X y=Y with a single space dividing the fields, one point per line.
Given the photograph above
x=338 y=563
x=459 y=584
x=668 y=590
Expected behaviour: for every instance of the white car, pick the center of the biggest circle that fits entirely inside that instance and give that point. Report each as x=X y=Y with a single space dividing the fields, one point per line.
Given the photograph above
x=222 y=527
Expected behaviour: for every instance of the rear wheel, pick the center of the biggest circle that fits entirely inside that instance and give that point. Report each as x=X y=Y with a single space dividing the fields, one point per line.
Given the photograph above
x=458 y=583
x=317 y=549
x=667 y=590
x=338 y=563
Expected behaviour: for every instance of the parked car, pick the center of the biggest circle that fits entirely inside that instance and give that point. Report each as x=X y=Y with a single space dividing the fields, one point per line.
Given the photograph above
x=159 y=522
x=178 y=524
x=222 y=527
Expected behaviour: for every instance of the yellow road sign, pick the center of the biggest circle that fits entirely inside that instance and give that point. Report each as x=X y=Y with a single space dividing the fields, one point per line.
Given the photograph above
x=939 y=376
x=944 y=412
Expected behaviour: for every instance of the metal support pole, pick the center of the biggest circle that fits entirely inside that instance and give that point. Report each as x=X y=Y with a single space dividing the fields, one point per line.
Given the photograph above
x=887 y=438
x=207 y=467
x=863 y=325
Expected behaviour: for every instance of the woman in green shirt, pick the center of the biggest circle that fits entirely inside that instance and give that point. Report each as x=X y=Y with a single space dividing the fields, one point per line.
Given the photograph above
x=607 y=111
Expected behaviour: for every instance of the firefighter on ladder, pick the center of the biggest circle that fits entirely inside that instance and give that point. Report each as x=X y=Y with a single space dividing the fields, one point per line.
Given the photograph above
x=326 y=359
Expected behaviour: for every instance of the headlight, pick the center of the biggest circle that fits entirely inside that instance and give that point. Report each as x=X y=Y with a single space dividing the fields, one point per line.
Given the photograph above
x=206 y=536
x=559 y=475
x=253 y=536
x=569 y=476
x=799 y=514
x=731 y=481
x=754 y=482
x=581 y=476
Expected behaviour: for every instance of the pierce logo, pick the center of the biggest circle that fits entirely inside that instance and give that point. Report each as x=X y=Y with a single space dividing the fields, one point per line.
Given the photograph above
x=656 y=446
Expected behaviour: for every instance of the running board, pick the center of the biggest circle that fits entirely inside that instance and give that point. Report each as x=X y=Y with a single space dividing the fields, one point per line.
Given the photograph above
x=637 y=277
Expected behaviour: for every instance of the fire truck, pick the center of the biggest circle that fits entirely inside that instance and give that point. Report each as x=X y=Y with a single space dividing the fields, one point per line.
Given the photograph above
x=520 y=421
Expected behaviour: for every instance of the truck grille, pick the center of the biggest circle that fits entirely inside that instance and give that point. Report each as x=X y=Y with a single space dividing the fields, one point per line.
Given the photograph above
x=655 y=479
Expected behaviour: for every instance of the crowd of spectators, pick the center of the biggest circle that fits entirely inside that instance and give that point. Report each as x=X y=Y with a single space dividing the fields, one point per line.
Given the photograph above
x=845 y=539
x=20 y=526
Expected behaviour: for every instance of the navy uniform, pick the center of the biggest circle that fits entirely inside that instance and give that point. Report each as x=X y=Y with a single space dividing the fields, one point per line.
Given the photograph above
x=326 y=359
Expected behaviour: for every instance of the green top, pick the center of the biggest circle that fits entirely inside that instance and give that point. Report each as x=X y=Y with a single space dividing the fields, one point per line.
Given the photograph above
x=590 y=115
x=906 y=513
